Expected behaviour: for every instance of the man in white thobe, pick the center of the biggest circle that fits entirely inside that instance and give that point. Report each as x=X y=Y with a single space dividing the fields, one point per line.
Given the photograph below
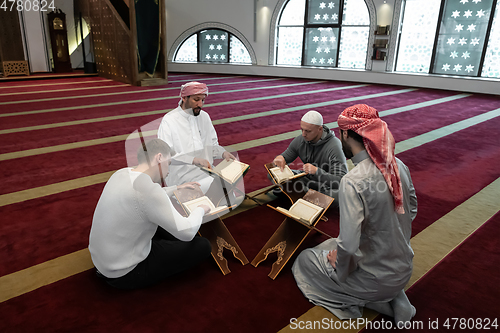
x=370 y=262
x=189 y=131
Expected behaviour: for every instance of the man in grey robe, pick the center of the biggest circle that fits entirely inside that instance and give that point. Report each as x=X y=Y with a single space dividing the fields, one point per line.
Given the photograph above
x=370 y=262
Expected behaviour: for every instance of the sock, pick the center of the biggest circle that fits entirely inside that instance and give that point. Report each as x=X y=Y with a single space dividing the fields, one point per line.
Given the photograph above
x=383 y=308
x=403 y=310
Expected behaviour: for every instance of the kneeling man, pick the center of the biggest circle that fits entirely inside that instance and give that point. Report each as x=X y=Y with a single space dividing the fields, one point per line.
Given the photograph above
x=138 y=238
x=370 y=262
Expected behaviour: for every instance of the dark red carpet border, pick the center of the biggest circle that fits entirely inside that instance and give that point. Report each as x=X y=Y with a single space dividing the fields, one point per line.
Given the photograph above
x=463 y=289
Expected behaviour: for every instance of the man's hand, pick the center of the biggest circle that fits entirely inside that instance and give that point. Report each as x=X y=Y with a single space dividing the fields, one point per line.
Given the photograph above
x=228 y=156
x=310 y=169
x=202 y=162
x=332 y=257
x=190 y=185
x=205 y=208
x=280 y=162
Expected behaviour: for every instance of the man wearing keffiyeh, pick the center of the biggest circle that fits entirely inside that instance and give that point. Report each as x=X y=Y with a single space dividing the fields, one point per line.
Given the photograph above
x=370 y=262
x=190 y=132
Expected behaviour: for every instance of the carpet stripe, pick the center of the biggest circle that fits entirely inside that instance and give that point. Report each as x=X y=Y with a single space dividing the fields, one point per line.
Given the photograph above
x=22 y=113
x=58 y=90
x=435 y=242
x=140 y=114
x=55 y=84
x=244 y=145
x=289 y=135
x=37 y=192
x=315 y=105
x=42 y=191
x=51 y=271
x=74 y=145
x=21 y=282
x=444 y=131
x=122 y=92
x=240 y=146
x=448 y=232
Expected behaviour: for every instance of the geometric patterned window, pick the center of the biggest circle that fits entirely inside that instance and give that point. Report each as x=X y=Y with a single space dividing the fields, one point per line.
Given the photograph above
x=416 y=39
x=323 y=33
x=463 y=41
x=213 y=46
x=491 y=66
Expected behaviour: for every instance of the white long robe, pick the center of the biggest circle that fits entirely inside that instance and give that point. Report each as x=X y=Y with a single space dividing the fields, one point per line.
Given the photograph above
x=190 y=137
x=374 y=256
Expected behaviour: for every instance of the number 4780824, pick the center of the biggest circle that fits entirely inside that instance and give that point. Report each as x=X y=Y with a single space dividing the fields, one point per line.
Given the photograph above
x=27 y=5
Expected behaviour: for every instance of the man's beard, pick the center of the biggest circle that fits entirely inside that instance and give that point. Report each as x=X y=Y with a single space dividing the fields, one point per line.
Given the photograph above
x=196 y=112
x=345 y=148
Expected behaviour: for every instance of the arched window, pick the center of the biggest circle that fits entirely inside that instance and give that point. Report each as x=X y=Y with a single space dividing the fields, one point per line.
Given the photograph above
x=213 y=46
x=460 y=37
x=323 y=33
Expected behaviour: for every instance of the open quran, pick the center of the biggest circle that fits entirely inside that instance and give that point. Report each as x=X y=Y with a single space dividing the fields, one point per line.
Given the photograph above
x=285 y=175
x=230 y=170
x=204 y=200
x=303 y=211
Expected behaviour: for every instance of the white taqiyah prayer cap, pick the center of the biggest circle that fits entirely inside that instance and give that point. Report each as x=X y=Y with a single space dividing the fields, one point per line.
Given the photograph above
x=313 y=117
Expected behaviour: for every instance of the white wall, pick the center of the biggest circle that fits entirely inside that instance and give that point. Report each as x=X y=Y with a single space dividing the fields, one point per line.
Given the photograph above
x=184 y=14
x=239 y=14
x=36 y=51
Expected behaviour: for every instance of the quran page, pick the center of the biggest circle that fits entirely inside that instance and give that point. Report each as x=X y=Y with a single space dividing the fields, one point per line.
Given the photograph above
x=306 y=210
x=302 y=210
x=231 y=170
x=282 y=176
x=191 y=205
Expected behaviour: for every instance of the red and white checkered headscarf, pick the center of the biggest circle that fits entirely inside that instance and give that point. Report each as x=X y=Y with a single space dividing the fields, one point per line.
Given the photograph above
x=379 y=143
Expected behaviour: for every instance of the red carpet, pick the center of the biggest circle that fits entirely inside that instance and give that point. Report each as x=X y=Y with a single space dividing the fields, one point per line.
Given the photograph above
x=200 y=300
x=446 y=172
x=464 y=285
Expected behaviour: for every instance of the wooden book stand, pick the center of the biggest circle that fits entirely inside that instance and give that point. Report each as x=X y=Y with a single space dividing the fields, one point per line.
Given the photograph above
x=215 y=231
x=291 y=233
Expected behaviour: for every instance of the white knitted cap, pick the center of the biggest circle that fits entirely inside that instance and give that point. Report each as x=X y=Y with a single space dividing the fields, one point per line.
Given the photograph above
x=313 y=117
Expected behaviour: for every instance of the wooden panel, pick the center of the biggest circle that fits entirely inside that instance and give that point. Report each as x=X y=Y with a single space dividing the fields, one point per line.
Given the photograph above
x=15 y=67
x=114 y=43
x=11 y=42
x=111 y=41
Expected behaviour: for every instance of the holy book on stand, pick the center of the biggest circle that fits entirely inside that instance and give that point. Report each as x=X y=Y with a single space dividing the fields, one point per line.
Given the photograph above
x=285 y=175
x=230 y=170
x=204 y=200
x=302 y=210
